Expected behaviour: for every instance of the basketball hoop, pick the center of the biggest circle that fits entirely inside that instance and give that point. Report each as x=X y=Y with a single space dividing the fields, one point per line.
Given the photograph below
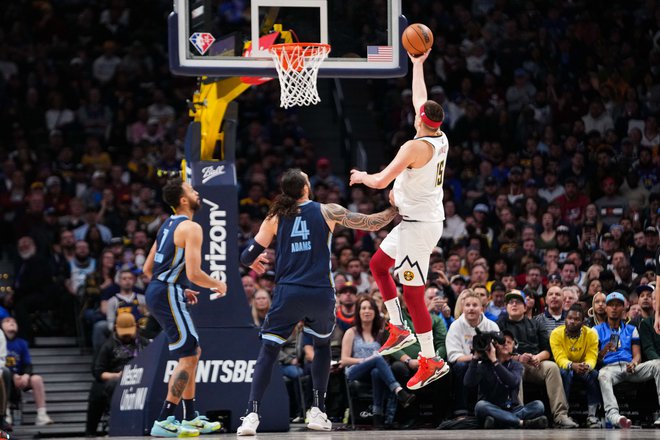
x=297 y=67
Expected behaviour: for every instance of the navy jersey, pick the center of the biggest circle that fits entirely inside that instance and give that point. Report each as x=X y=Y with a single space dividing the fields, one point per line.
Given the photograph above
x=303 y=248
x=170 y=260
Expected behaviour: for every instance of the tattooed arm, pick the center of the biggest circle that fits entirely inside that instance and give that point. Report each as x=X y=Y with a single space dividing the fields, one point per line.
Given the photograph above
x=334 y=214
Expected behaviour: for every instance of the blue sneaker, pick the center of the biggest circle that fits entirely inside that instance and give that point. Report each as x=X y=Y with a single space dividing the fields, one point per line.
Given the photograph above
x=171 y=427
x=201 y=424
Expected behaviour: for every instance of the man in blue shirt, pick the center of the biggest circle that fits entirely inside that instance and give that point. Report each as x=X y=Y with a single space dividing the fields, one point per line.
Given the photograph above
x=19 y=363
x=621 y=354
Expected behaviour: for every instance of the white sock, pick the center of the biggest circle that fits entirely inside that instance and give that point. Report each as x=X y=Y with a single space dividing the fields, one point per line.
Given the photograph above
x=394 y=310
x=426 y=341
x=41 y=411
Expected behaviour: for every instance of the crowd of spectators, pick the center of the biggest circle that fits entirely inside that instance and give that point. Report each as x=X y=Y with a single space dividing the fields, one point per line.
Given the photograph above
x=552 y=178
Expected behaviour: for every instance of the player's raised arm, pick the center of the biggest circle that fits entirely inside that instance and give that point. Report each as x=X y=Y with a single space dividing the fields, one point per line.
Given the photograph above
x=253 y=255
x=334 y=214
x=193 y=252
x=419 y=96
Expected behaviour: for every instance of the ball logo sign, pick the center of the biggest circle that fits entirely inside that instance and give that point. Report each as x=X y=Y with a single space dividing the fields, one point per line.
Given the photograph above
x=202 y=41
x=209 y=173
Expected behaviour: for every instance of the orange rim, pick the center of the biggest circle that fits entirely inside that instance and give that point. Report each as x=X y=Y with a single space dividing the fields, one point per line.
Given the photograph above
x=295 y=53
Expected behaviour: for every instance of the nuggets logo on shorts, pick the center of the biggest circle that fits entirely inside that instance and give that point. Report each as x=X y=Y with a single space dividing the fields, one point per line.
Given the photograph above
x=408 y=275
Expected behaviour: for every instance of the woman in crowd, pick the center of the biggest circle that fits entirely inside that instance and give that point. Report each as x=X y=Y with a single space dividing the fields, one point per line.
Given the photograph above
x=548 y=237
x=596 y=313
x=260 y=306
x=360 y=357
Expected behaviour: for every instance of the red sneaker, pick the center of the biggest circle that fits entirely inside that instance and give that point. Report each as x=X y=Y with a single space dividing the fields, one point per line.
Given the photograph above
x=400 y=338
x=430 y=369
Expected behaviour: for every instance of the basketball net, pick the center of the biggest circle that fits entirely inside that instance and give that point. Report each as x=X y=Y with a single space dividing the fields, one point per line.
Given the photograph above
x=297 y=67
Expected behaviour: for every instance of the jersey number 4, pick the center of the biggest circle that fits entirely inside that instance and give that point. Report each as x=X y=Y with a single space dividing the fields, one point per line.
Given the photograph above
x=300 y=228
x=440 y=173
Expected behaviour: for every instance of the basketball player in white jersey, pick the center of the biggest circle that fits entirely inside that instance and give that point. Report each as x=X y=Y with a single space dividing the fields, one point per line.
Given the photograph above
x=417 y=171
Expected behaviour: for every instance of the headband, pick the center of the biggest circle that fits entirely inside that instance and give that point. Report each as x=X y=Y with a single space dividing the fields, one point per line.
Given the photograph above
x=426 y=120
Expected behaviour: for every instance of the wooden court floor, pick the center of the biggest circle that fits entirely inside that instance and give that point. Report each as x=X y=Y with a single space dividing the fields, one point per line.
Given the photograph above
x=297 y=433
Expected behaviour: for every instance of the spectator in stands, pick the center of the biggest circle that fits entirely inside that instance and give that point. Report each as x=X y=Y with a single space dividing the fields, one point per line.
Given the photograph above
x=534 y=281
x=260 y=306
x=81 y=266
x=116 y=352
x=496 y=306
x=360 y=357
x=533 y=346
x=645 y=256
x=611 y=205
x=499 y=379
x=127 y=300
x=570 y=296
x=324 y=174
x=249 y=287
x=360 y=279
x=19 y=363
x=346 y=310
x=646 y=303
x=575 y=350
x=650 y=339
x=597 y=313
x=459 y=346
x=32 y=286
x=5 y=385
x=621 y=356
x=554 y=314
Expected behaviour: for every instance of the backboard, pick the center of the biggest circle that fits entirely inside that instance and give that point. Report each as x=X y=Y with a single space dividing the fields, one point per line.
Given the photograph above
x=208 y=37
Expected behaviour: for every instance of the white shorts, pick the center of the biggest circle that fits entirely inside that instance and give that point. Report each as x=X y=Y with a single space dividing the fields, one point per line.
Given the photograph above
x=411 y=244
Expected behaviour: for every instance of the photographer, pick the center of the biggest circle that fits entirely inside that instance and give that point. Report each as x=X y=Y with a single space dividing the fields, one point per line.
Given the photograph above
x=498 y=377
x=459 y=345
x=534 y=355
x=621 y=354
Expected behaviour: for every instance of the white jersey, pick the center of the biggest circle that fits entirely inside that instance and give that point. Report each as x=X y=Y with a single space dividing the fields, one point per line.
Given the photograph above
x=418 y=191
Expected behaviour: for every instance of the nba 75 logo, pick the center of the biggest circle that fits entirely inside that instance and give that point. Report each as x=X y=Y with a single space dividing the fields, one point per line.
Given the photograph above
x=202 y=41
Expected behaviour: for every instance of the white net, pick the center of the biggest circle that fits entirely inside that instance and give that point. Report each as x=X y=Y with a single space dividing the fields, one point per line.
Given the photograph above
x=297 y=67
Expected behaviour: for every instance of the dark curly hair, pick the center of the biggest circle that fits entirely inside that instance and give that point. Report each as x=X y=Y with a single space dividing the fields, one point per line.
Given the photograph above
x=292 y=185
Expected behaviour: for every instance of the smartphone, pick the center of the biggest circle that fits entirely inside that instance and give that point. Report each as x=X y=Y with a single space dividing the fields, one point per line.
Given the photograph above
x=614 y=340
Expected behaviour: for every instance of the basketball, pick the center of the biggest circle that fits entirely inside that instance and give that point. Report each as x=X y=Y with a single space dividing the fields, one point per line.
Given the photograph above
x=417 y=39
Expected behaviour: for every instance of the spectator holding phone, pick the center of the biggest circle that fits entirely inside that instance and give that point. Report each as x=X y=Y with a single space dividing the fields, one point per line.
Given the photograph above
x=621 y=354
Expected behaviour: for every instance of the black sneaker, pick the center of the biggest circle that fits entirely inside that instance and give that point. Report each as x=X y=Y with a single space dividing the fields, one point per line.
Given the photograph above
x=405 y=398
x=536 y=423
x=489 y=422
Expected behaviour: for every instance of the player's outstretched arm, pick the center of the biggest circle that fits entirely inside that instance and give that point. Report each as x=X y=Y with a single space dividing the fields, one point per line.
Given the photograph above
x=334 y=214
x=419 y=95
x=193 y=244
x=403 y=159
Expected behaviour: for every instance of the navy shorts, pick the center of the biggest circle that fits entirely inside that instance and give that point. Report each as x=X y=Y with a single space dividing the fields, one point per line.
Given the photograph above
x=167 y=303
x=291 y=304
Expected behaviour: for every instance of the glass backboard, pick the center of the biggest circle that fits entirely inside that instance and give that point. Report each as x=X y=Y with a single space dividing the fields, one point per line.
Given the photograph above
x=208 y=37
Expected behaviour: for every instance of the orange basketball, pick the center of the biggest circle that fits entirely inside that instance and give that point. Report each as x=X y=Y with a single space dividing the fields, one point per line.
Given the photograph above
x=417 y=39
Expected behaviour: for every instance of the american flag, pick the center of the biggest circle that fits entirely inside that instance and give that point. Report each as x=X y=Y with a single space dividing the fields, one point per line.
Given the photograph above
x=379 y=53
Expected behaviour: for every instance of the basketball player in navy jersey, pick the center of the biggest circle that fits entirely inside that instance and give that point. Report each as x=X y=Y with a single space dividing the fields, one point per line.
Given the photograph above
x=304 y=285
x=417 y=170
x=173 y=262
